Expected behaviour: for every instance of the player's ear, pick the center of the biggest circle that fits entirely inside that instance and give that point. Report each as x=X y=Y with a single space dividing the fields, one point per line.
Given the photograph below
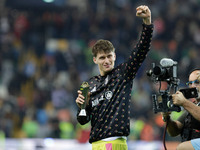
x=115 y=56
x=95 y=60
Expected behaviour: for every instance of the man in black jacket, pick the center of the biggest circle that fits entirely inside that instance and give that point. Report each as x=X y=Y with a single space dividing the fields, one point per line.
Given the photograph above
x=108 y=107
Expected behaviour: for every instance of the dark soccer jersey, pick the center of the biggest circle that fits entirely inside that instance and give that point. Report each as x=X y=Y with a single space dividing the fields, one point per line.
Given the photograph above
x=109 y=105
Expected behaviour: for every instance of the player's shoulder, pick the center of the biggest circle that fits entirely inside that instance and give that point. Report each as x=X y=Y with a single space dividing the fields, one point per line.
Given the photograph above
x=94 y=78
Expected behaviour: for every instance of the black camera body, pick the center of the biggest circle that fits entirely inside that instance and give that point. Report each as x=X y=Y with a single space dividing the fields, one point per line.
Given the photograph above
x=166 y=71
x=190 y=92
x=162 y=102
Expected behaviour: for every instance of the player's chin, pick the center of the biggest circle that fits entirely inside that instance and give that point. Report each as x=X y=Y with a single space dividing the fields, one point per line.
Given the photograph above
x=107 y=70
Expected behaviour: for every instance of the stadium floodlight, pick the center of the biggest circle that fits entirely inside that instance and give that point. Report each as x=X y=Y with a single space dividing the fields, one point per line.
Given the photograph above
x=48 y=1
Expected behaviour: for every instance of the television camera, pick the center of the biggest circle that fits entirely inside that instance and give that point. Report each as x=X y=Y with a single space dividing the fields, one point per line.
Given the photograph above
x=167 y=72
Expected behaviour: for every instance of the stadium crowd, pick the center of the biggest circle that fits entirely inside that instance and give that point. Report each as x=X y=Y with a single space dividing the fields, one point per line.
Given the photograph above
x=45 y=56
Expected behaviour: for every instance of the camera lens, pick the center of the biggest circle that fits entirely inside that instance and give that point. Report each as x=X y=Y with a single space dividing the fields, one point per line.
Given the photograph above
x=157 y=70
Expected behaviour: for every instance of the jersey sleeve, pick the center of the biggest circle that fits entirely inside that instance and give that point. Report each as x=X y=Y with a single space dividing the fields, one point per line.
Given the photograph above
x=139 y=53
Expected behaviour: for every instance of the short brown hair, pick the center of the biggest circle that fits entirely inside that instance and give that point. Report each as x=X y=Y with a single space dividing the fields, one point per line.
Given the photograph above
x=102 y=46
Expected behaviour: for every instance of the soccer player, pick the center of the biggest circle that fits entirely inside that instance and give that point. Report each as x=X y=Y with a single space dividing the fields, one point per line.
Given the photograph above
x=108 y=105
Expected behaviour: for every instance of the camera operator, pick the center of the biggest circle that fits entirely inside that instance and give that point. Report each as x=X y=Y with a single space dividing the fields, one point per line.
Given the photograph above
x=188 y=124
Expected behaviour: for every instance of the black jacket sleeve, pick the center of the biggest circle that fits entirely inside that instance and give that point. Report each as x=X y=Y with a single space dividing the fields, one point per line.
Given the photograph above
x=139 y=52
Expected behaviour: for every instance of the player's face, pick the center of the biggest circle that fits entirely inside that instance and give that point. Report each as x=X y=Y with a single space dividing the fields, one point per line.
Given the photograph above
x=105 y=62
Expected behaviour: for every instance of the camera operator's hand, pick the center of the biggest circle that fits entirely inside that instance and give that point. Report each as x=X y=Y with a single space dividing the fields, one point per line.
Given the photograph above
x=178 y=98
x=145 y=13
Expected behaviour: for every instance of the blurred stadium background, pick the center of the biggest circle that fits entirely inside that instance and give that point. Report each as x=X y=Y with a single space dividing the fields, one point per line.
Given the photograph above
x=45 y=55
